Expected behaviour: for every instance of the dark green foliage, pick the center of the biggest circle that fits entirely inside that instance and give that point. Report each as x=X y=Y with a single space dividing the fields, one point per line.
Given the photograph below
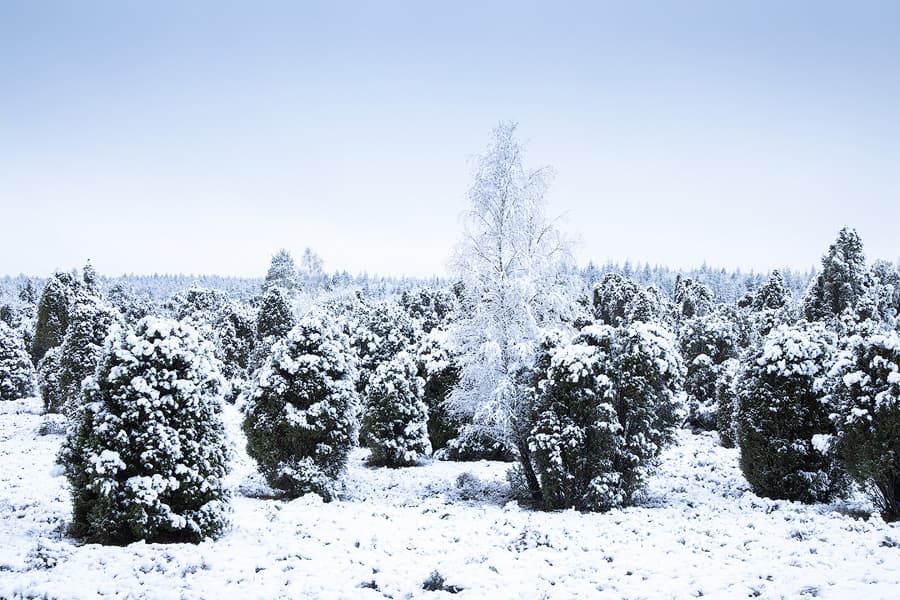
x=841 y=281
x=772 y=295
x=783 y=420
x=53 y=313
x=132 y=307
x=431 y=308
x=300 y=416
x=235 y=332
x=604 y=412
x=866 y=380
x=437 y=368
x=619 y=301
x=147 y=453
x=381 y=333
x=48 y=380
x=16 y=370
x=727 y=403
x=89 y=324
x=692 y=299
x=275 y=317
x=396 y=418
x=706 y=343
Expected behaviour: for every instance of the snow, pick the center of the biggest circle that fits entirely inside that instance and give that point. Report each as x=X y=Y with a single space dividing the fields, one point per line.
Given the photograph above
x=698 y=531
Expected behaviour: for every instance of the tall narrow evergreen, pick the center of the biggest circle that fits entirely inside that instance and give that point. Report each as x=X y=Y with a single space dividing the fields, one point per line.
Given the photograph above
x=841 y=280
x=53 y=313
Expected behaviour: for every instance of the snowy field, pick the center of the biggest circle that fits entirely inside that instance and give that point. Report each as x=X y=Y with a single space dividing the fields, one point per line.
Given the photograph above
x=698 y=532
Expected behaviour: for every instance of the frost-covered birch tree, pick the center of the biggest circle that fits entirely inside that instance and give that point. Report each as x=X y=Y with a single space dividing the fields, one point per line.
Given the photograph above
x=511 y=265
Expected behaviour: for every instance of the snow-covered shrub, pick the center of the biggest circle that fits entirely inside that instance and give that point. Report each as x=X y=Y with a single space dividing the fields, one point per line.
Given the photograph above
x=300 y=416
x=383 y=332
x=706 y=343
x=48 y=380
x=89 y=323
x=841 y=281
x=16 y=371
x=607 y=407
x=396 y=418
x=692 y=298
x=618 y=300
x=727 y=403
x=430 y=308
x=275 y=317
x=53 y=313
x=866 y=391
x=437 y=367
x=146 y=454
x=783 y=418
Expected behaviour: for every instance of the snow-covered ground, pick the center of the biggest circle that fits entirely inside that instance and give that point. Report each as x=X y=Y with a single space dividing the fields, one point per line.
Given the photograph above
x=699 y=532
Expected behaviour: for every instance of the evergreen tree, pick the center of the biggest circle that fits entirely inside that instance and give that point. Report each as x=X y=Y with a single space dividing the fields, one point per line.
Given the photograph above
x=300 y=416
x=90 y=280
x=692 y=299
x=396 y=418
x=282 y=272
x=866 y=391
x=782 y=416
x=841 y=281
x=48 y=380
x=706 y=343
x=147 y=453
x=437 y=367
x=385 y=331
x=53 y=313
x=605 y=409
x=79 y=353
x=727 y=400
x=16 y=371
x=773 y=294
x=275 y=317
x=620 y=301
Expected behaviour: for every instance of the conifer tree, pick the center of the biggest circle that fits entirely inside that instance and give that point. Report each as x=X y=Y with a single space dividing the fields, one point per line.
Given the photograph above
x=396 y=418
x=605 y=409
x=783 y=417
x=16 y=371
x=53 y=313
x=866 y=392
x=300 y=416
x=147 y=453
x=89 y=323
x=841 y=281
x=282 y=272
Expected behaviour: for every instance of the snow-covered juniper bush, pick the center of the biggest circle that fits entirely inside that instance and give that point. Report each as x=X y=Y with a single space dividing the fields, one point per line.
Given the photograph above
x=866 y=379
x=16 y=370
x=146 y=454
x=783 y=419
x=396 y=418
x=604 y=412
x=300 y=416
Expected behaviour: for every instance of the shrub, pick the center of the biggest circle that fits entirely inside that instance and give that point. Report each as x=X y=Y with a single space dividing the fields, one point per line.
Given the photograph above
x=16 y=370
x=605 y=410
x=866 y=390
x=396 y=418
x=146 y=454
x=782 y=418
x=300 y=414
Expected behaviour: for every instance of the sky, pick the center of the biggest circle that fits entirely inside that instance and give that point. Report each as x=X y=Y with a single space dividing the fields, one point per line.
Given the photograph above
x=201 y=137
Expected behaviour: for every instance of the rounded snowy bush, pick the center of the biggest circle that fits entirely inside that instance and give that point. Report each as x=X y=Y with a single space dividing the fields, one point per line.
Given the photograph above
x=300 y=416
x=783 y=419
x=607 y=407
x=48 y=380
x=867 y=395
x=147 y=453
x=396 y=418
x=16 y=370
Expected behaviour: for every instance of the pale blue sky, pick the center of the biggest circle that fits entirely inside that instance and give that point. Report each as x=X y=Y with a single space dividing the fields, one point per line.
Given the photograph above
x=163 y=138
